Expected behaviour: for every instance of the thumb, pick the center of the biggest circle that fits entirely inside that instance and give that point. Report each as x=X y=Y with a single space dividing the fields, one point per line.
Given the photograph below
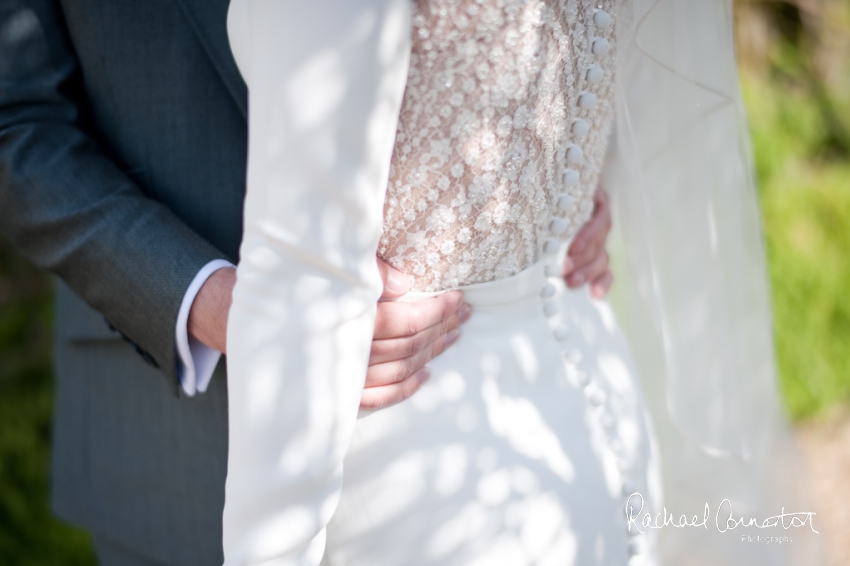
x=396 y=283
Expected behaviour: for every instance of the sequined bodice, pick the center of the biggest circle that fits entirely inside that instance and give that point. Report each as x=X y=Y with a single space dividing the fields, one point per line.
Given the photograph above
x=501 y=136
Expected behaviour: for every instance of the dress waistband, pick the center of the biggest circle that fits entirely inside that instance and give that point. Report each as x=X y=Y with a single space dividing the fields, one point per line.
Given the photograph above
x=529 y=281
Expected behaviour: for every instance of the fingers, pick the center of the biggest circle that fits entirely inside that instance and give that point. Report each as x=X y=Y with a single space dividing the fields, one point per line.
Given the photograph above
x=391 y=349
x=587 y=259
x=590 y=272
x=408 y=336
x=602 y=284
x=384 y=396
x=396 y=283
x=591 y=238
x=600 y=196
x=397 y=320
x=398 y=370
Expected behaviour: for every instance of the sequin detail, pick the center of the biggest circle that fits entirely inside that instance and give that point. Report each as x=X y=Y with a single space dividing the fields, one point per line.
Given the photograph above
x=485 y=130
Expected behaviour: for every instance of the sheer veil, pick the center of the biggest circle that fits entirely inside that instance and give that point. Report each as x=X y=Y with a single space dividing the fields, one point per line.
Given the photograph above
x=693 y=294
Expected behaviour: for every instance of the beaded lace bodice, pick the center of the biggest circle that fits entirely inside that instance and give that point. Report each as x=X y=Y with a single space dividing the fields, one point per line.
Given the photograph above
x=501 y=136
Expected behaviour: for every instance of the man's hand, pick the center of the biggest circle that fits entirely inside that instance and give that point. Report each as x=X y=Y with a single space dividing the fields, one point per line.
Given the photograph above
x=587 y=260
x=408 y=336
x=208 y=314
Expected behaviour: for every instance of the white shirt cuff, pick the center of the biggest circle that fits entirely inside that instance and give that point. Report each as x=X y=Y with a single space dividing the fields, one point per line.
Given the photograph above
x=195 y=360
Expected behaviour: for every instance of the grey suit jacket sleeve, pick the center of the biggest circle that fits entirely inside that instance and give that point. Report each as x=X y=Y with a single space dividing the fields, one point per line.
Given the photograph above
x=68 y=207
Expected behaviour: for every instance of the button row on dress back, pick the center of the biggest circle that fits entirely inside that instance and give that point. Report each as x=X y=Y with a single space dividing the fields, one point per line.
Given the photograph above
x=570 y=177
x=586 y=100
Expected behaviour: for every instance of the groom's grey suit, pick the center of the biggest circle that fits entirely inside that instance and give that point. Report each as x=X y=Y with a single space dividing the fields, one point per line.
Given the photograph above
x=122 y=170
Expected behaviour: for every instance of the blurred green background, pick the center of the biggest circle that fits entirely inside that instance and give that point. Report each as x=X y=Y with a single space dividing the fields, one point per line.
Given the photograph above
x=794 y=60
x=795 y=72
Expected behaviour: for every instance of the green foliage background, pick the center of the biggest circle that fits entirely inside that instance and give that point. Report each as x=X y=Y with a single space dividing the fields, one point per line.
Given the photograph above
x=795 y=72
x=29 y=534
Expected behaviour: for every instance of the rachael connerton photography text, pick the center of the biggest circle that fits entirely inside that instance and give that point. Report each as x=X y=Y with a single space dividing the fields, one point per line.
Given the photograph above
x=724 y=520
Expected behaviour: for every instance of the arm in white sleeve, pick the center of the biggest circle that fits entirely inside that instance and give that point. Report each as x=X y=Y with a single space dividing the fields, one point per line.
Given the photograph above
x=195 y=360
x=326 y=80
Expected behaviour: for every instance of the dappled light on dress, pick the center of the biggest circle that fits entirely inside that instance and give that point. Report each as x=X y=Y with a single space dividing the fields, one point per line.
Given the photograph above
x=500 y=458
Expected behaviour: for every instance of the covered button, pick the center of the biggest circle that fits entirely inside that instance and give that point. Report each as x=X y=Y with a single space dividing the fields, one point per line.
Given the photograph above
x=570 y=177
x=565 y=201
x=574 y=154
x=596 y=397
x=552 y=270
x=573 y=356
x=587 y=100
x=580 y=127
x=561 y=332
x=558 y=225
x=551 y=246
x=583 y=378
x=601 y=18
x=600 y=46
x=550 y=308
x=594 y=74
x=548 y=291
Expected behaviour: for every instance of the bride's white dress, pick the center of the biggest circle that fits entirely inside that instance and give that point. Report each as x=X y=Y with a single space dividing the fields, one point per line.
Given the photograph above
x=532 y=433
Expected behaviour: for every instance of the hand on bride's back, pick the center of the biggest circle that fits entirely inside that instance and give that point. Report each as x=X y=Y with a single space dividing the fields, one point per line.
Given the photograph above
x=408 y=336
x=587 y=260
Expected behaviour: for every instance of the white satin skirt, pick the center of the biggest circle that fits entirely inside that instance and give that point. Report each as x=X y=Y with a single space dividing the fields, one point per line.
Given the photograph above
x=523 y=448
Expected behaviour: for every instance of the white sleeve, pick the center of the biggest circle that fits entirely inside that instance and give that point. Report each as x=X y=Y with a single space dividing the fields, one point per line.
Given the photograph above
x=325 y=85
x=195 y=360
